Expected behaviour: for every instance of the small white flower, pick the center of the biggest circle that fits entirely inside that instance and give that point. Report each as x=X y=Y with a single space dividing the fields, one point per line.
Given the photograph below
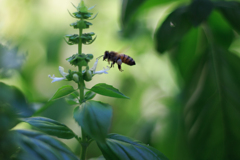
x=99 y=72
x=55 y=79
x=102 y=71
x=61 y=70
x=94 y=66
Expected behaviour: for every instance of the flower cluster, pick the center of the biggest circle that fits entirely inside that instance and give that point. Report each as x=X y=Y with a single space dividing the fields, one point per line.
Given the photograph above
x=65 y=75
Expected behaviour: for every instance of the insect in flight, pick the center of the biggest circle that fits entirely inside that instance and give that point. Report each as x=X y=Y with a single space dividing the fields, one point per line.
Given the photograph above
x=118 y=58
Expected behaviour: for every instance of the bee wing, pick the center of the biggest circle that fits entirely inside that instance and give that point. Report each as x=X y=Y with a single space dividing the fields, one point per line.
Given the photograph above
x=124 y=49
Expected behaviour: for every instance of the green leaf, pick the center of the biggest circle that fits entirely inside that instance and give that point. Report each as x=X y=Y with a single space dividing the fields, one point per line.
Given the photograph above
x=199 y=10
x=91 y=7
x=231 y=11
x=129 y=8
x=72 y=101
x=107 y=90
x=214 y=112
x=38 y=146
x=93 y=17
x=222 y=31
x=62 y=92
x=98 y=158
x=89 y=95
x=121 y=147
x=15 y=99
x=95 y=118
x=50 y=127
x=172 y=30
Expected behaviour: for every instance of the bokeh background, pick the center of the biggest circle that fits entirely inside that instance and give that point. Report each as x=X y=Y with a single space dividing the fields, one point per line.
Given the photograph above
x=32 y=47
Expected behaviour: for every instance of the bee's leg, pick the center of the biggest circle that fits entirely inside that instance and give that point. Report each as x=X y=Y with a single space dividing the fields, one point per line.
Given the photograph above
x=112 y=65
x=119 y=67
x=119 y=62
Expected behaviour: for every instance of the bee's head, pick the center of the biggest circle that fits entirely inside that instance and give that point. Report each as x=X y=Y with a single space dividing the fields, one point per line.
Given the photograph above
x=106 y=55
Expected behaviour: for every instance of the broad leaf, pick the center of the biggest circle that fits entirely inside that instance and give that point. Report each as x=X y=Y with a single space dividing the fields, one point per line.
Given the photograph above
x=172 y=30
x=16 y=99
x=8 y=119
x=98 y=158
x=95 y=118
x=63 y=91
x=124 y=148
x=89 y=95
x=37 y=146
x=129 y=7
x=209 y=107
x=231 y=11
x=72 y=101
x=199 y=10
x=214 y=110
x=107 y=90
x=50 y=127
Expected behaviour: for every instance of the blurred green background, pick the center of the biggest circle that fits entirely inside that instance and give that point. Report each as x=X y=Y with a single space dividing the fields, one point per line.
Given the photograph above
x=155 y=113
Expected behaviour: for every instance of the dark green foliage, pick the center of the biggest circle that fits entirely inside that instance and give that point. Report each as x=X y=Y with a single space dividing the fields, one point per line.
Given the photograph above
x=172 y=30
x=38 y=146
x=8 y=119
x=50 y=127
x=72 y=39
x=199 y=10
x=86 y=38
x=205 y=115
x=81 y=24
x=22 y=144
x=80 y=15
x=16 y=100
x=89 y=95
x=80 y=59
x=107 y=90
x=231 y=11
x=98 y=158
x=129 y=7
x=62 y=92
x=222 y=32
x=121 y=147
x=95 y=118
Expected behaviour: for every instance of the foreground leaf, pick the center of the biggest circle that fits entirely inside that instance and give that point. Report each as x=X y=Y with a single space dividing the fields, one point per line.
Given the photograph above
x=63 y=91
x=107 y=90
x=37 y=146
x=50 y=127
x=95 y=118
x=98 y=158
x=124 y=148
x=15 y=99
x=89 y=95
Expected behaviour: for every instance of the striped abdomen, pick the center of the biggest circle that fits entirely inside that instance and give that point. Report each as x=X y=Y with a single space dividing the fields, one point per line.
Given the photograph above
x=126 y=59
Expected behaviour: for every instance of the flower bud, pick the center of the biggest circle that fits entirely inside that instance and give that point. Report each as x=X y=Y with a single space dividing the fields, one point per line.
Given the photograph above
x=82 y=8
x=75 y=78
x=87 y=76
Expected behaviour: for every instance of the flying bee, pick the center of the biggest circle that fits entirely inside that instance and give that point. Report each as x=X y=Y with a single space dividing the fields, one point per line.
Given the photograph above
x=118 y=58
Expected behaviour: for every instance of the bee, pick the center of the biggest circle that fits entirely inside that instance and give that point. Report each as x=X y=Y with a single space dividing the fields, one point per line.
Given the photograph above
x=118 y=58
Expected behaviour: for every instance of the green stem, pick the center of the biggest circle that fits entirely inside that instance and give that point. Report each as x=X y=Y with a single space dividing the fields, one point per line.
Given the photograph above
x=81 y=81
x=84 y=142
x=84 y=145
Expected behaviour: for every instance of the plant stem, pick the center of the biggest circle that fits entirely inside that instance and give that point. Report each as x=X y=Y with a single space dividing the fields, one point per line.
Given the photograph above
x=84 y=143
x=81 y=81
